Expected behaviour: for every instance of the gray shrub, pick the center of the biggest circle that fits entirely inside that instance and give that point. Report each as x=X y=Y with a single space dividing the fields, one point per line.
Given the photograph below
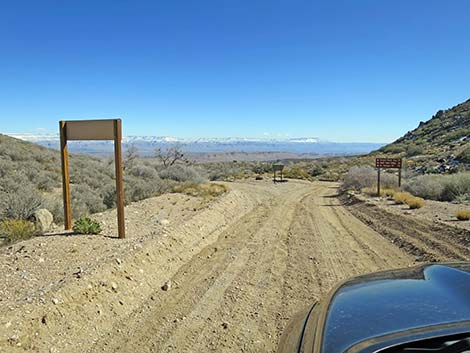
x=182 y=173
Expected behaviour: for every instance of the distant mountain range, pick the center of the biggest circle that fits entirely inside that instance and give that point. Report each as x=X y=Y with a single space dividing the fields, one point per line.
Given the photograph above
x=147 y=144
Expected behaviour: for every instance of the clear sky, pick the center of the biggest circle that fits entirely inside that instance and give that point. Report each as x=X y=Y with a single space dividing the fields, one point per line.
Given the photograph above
x=352 y=70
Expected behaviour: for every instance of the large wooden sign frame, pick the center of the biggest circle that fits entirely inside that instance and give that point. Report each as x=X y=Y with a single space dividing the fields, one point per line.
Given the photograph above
x=73 y=130
x=387 y=163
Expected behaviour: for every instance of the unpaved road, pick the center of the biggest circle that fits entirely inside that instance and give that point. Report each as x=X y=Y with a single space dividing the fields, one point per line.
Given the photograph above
x=237 y=294
x=239 y=269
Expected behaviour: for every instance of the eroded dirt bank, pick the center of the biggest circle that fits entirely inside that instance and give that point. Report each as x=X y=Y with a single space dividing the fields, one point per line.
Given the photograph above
x=239 y=269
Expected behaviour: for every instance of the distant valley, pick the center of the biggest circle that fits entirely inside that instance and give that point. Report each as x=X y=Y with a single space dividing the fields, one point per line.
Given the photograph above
x=264 y=148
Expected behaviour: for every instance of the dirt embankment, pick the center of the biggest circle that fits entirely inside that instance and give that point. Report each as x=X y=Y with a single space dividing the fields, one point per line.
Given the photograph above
x=238 y=269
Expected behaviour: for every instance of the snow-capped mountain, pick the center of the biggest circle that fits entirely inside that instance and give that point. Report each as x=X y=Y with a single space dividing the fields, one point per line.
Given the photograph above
x=147 y=144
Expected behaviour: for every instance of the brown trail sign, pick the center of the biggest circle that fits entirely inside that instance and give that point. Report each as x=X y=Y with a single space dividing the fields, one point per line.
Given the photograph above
x=277 y=168
x=92 y=130
x=387 y=163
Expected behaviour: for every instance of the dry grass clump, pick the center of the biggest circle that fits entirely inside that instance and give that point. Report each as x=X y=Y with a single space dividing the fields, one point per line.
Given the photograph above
x=415 y=202
x=401 y=197
x=13 y=230
x=370 y=191
x=208 y=190
x=463 y=215
x=389 y=192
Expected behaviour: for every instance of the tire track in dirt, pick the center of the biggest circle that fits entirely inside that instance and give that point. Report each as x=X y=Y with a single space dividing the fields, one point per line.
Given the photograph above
x=426 y=240
x=274 y=261
x=233 y=277
x=239 y=271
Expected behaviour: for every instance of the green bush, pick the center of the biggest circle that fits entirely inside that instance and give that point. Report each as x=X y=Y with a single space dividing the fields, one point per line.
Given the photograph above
x=13 y=230
x=465 y=155
x=85 y=225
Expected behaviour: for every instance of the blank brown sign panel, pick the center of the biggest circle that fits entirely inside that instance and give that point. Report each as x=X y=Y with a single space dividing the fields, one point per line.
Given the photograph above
x=89 y=130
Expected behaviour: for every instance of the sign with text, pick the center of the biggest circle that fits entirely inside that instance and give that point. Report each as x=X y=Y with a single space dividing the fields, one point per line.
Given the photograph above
x=388 y=163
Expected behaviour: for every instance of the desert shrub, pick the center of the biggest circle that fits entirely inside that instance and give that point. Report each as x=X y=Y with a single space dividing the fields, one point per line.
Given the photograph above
x=131 y=154
x=13 y=230
x=463 y=198
x=316 y=170
x=19 y=203
x=86 y=200
x=463 y=215
x=465 y=155
x=426 y=186
x=394 y=148
x=136 y=189
x=86 y=225
x=401 y=197
x=209 y=190
x=414 y=202
x=228 y=171
x=45 y=182
x=296 y=172
x=360 y=177
x=414 y=150
x=182 y=173
x=455 y=185
x=262 y=168
x=54 y=204
x=142 y=171
x=366 y=177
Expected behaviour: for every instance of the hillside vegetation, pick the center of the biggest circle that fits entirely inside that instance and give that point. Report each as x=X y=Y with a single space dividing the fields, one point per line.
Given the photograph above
x=30 y=178
x=445 y=135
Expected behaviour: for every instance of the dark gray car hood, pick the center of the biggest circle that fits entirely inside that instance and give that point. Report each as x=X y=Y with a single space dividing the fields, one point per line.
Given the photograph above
x=394 y=301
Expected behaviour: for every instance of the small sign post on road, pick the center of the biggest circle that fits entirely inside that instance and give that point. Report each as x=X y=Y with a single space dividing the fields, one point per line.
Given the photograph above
x=277 y=168
x=387 y=163
x=92 y=130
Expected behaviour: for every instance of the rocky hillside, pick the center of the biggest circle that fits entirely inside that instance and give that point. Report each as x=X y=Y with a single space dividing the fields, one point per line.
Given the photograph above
x=446 y=136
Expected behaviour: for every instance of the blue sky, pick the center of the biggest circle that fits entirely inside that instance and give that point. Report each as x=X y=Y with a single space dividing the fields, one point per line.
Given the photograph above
x=357 y=70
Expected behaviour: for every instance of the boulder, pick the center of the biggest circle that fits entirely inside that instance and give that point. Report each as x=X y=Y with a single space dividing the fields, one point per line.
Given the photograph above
x=42 y=220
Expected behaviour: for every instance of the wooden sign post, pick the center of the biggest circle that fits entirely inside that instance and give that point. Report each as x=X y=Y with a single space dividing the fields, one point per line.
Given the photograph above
x=277 y=168
x=387 y=163
x=92 y=130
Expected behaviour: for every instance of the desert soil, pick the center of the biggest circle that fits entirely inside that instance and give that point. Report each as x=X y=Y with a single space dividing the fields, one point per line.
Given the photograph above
x=223 y=276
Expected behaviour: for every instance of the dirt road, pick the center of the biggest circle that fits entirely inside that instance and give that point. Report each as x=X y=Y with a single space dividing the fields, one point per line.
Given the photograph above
x=236 y=294
x=239 y=269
